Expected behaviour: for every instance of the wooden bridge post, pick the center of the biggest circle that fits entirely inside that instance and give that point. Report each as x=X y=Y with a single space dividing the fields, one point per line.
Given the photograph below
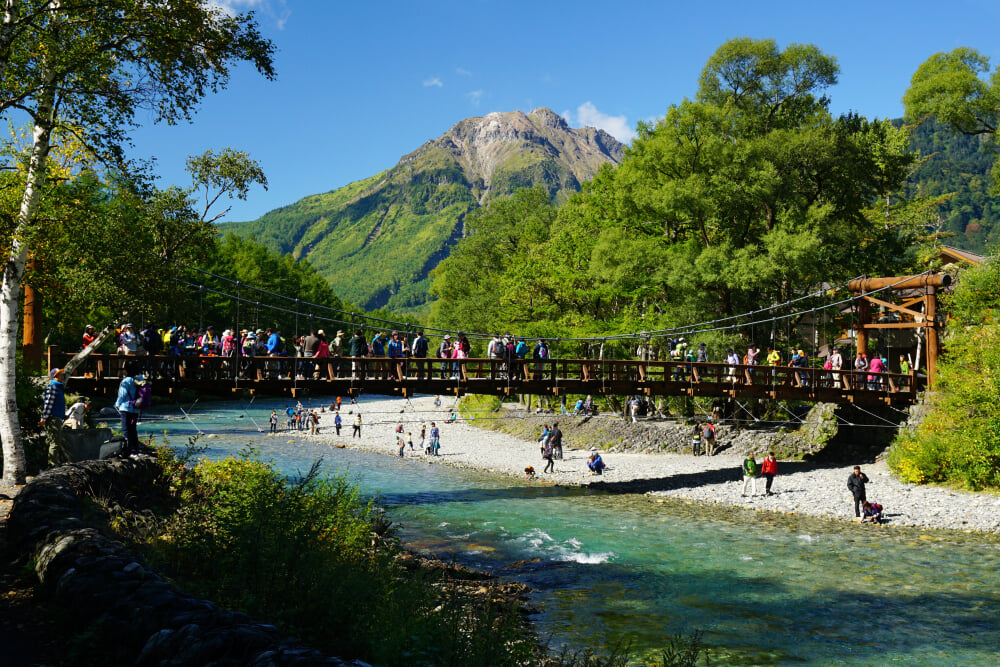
x=930 y=312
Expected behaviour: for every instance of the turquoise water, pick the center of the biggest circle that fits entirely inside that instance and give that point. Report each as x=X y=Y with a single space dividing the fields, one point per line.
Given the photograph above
x=765 y=590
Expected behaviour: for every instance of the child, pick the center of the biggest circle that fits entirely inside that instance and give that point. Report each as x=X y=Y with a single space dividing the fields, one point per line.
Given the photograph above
x=529 y=472
x=409 y=440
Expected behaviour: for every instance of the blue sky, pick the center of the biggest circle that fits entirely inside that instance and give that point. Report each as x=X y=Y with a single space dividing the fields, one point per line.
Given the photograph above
x=361 y=84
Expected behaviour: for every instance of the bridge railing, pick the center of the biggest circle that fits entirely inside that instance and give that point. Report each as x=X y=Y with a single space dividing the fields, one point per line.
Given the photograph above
x=589 y=373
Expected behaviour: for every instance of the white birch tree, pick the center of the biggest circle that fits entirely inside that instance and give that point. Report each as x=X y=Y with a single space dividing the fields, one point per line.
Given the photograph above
x=93 y=65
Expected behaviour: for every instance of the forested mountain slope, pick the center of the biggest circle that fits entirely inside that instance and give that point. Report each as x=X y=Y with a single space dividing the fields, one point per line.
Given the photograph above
x=377 y=240
x=960 y=164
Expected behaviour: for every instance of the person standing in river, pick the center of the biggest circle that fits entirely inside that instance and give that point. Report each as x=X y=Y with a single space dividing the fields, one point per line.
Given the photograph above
x=856 y=484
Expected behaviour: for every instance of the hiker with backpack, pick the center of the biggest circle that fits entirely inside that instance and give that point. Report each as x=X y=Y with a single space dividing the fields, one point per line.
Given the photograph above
x=708 y=437
x=419 y=352
x=540 y=354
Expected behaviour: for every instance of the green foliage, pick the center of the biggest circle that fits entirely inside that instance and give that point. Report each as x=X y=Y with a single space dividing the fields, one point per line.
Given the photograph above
x=378 y=239
x=955 y=170
x=313 y=556
x=959 y=440
x=950 y=88
x=736 y=199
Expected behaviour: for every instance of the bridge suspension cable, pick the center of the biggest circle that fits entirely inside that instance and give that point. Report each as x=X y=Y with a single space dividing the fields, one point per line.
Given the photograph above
x=706 y=326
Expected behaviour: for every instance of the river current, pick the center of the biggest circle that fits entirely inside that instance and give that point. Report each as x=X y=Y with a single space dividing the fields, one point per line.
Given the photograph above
x=764 y=589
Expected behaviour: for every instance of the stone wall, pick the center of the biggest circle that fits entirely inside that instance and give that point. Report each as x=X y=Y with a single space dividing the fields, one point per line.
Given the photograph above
x=826 y=431
x=102 y=586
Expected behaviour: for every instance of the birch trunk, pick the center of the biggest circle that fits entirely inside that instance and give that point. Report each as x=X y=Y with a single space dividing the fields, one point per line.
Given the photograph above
x=14 y=469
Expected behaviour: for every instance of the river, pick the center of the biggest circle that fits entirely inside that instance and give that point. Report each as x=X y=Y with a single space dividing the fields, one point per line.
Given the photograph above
x=765 y=590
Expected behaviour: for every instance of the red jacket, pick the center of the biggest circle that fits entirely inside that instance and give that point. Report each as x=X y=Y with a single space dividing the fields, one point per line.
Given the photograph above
x=769 y=466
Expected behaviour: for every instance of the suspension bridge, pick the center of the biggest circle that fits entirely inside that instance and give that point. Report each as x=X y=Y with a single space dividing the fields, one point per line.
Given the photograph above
x=874 y=303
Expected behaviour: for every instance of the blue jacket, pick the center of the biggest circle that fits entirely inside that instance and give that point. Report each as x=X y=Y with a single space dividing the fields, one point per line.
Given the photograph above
x=378 y=346
x=395 y=349
x=127 y=393
x=272 y=343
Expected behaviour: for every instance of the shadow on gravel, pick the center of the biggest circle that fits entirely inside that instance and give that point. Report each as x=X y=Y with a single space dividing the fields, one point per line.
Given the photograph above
x=696 y=479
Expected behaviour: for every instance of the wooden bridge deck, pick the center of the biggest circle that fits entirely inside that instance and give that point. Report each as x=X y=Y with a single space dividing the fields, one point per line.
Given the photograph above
x=275 y=376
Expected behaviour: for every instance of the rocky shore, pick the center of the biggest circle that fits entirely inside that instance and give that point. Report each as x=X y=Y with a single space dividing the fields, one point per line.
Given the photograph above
x=806 y=488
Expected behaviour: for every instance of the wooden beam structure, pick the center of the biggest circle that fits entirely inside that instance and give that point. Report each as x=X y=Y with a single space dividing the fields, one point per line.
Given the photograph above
x=920 y=311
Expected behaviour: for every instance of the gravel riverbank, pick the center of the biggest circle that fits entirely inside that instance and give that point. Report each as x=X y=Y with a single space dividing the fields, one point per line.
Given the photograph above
x=800 y=488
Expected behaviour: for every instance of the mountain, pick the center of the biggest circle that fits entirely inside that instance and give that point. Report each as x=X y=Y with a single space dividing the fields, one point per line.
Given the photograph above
x=959 y=164
x=377 y=240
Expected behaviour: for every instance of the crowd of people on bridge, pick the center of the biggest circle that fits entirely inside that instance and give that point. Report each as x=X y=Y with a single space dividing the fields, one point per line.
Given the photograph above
x=190 y=352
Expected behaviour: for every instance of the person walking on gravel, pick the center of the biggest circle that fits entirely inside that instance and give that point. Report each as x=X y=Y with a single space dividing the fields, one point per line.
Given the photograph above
x=769 y=468
x=750 y=473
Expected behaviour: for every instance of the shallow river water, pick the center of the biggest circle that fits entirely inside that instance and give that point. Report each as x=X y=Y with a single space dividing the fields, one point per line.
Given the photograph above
x=764 y=590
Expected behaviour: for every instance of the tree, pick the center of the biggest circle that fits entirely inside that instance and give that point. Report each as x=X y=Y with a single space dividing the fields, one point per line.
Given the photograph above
x=87 y=69
x=959 y=440
x=732 y=201
x=950 y=88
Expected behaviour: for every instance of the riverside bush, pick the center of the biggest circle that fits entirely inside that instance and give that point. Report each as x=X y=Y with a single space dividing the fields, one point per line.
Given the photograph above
x=319 y=560
x=959 y=440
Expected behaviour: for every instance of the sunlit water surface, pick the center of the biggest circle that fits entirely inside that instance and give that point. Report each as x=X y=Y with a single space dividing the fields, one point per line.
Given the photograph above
x=764 y=590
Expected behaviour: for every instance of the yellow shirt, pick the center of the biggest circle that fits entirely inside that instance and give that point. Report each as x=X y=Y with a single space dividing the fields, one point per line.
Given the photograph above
x=774 y=358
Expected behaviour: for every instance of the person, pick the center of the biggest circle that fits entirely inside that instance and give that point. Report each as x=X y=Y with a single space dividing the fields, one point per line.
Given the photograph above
x=696 y=440
x=595 y=462
x=856 y=484
x=322 y=358
x=356 y=350
x=313 y=423
x=274 y=421
x=555 y=439
x=836 y=363
x=419 y=352
x=125 y=404
x=871 y=512
x=423 y=436
x=401 y=445
x=749 y=474
x=549 y=456
x=290 y=415
x=435 y=439
x=529 y=472
x=357 y=427
x=732 y=361
x=89 y=335
x=53 y=411
x=76 y=416
x=444 y=353
x=540 y=353
x=702 y=356
x=708 y=433
x=409 y=439
x=578 y=408
x=396 y=356
x=876 y=367
x=769 y=468
x=337 y=423
x=131 y=345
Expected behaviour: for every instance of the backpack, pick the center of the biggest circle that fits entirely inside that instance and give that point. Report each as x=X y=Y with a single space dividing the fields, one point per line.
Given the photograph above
x=709 y=432
x=280 y=347
x=543 y=353
x=420 y=347
x=143 y=396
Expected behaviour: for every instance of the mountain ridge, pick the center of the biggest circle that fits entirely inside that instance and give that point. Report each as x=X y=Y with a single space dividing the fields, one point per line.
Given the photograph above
x=376 y=240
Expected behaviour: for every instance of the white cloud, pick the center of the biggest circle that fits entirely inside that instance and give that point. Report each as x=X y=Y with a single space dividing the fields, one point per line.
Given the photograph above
x=276 y=10
x=588 y=115
x=475 y=96
x=462 y=71
x=433 y=82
